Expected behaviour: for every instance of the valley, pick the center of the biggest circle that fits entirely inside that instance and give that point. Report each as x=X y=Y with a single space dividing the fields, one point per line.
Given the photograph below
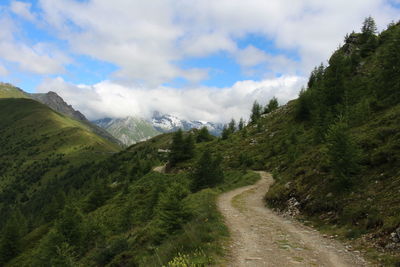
x=312 y=182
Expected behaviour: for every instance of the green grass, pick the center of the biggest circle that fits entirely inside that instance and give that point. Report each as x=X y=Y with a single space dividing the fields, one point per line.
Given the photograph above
x=9 y=91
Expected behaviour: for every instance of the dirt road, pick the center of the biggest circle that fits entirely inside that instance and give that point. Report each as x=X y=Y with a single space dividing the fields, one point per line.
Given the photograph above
x=262 y=238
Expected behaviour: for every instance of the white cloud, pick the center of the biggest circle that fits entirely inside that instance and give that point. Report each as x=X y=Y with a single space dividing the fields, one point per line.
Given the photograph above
x=251 y=56
x=32 y=59
x=22 y=9
x=39 y=58
x=202 y=103
x=3 y=71
x=145 y=39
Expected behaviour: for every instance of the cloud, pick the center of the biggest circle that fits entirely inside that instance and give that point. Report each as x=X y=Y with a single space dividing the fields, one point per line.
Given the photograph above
x=3 y=71
x=148 y=39
x=251 y=58
x=39 y=58
x=22 y=9
x=108 y=99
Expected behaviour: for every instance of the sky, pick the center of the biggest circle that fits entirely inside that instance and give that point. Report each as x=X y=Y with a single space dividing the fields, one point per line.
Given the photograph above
x=196 y=59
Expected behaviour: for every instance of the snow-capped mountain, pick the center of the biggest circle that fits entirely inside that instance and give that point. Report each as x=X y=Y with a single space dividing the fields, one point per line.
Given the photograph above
x=130 y=130
x=167 y=123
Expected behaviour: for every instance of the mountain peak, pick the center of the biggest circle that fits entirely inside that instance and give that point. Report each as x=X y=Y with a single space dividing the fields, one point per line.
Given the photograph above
x=56 y=102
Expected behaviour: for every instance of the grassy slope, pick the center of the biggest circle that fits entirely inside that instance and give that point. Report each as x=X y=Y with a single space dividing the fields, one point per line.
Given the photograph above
x=370 y=210
x=123 y=221
x=38 y=144
x=9 y=91
x=137 y=130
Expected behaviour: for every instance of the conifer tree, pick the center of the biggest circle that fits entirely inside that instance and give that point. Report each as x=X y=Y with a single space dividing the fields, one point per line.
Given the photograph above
x=170 y=211
x=70 y=225
x=368 y=37
x=271 y=106
x=303 y=106
x=369 y=26
x=344 y=155
x=241 y=124
x=203 y=135
x=255 y=112
x=208 y=171
x=177 y=148
x=9 y=240
x=188 y=147
x=232 y=126
x=225 y=133
x=389 y=80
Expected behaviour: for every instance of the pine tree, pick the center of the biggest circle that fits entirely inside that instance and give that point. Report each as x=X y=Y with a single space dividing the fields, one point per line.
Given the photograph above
x=208 y=171
x=369 y=26
x=203 y=135
x=272 y=105
x=225 y=133
x=10 y=240
x=344 y=155
x=188 y=147
x=170 y=211
x=177 y=148
x=232 y=126
x=70 y=225
x=368 y=37
x=241 y=124
x=303 y=106
x=388 y=81
x=255 y=112
x=53 y=250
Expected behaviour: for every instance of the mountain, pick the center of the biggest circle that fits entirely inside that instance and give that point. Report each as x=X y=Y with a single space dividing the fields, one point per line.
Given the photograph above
x=167 y=123
x=9 y=91
x=67 y=199
x=55 y=102
x=58 y=104
x=129 y=130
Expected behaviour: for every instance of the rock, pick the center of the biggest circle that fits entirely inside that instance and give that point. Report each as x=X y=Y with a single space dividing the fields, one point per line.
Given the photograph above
x=329 y=194
x=395 y=237
x=292 y=207
x=287 y=185
x=390 y=246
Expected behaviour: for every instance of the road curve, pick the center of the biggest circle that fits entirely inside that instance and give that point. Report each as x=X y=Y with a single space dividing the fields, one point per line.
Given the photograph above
x=259 y=237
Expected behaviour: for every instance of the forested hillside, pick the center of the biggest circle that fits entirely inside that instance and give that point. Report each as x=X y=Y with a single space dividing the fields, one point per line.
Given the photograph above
x=69 y=199
x=334 y=153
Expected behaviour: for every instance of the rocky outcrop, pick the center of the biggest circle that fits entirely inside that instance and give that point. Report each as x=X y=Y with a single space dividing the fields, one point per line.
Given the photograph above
x=54 y=101
x=57 y=103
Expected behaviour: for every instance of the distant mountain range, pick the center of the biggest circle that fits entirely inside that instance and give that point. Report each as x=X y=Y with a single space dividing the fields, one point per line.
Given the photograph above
x=131 y=129
x=128 y=130
x=167 y=123
x=122 y=131
x=56 y=103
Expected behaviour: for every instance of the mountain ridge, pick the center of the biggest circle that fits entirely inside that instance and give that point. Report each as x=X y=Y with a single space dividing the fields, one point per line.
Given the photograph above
x=56 y=103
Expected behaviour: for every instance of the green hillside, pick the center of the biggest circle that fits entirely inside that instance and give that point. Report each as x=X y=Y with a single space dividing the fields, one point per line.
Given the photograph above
x=38 y=145
x=9 y=91
x=117 y=211
x=334 y=151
